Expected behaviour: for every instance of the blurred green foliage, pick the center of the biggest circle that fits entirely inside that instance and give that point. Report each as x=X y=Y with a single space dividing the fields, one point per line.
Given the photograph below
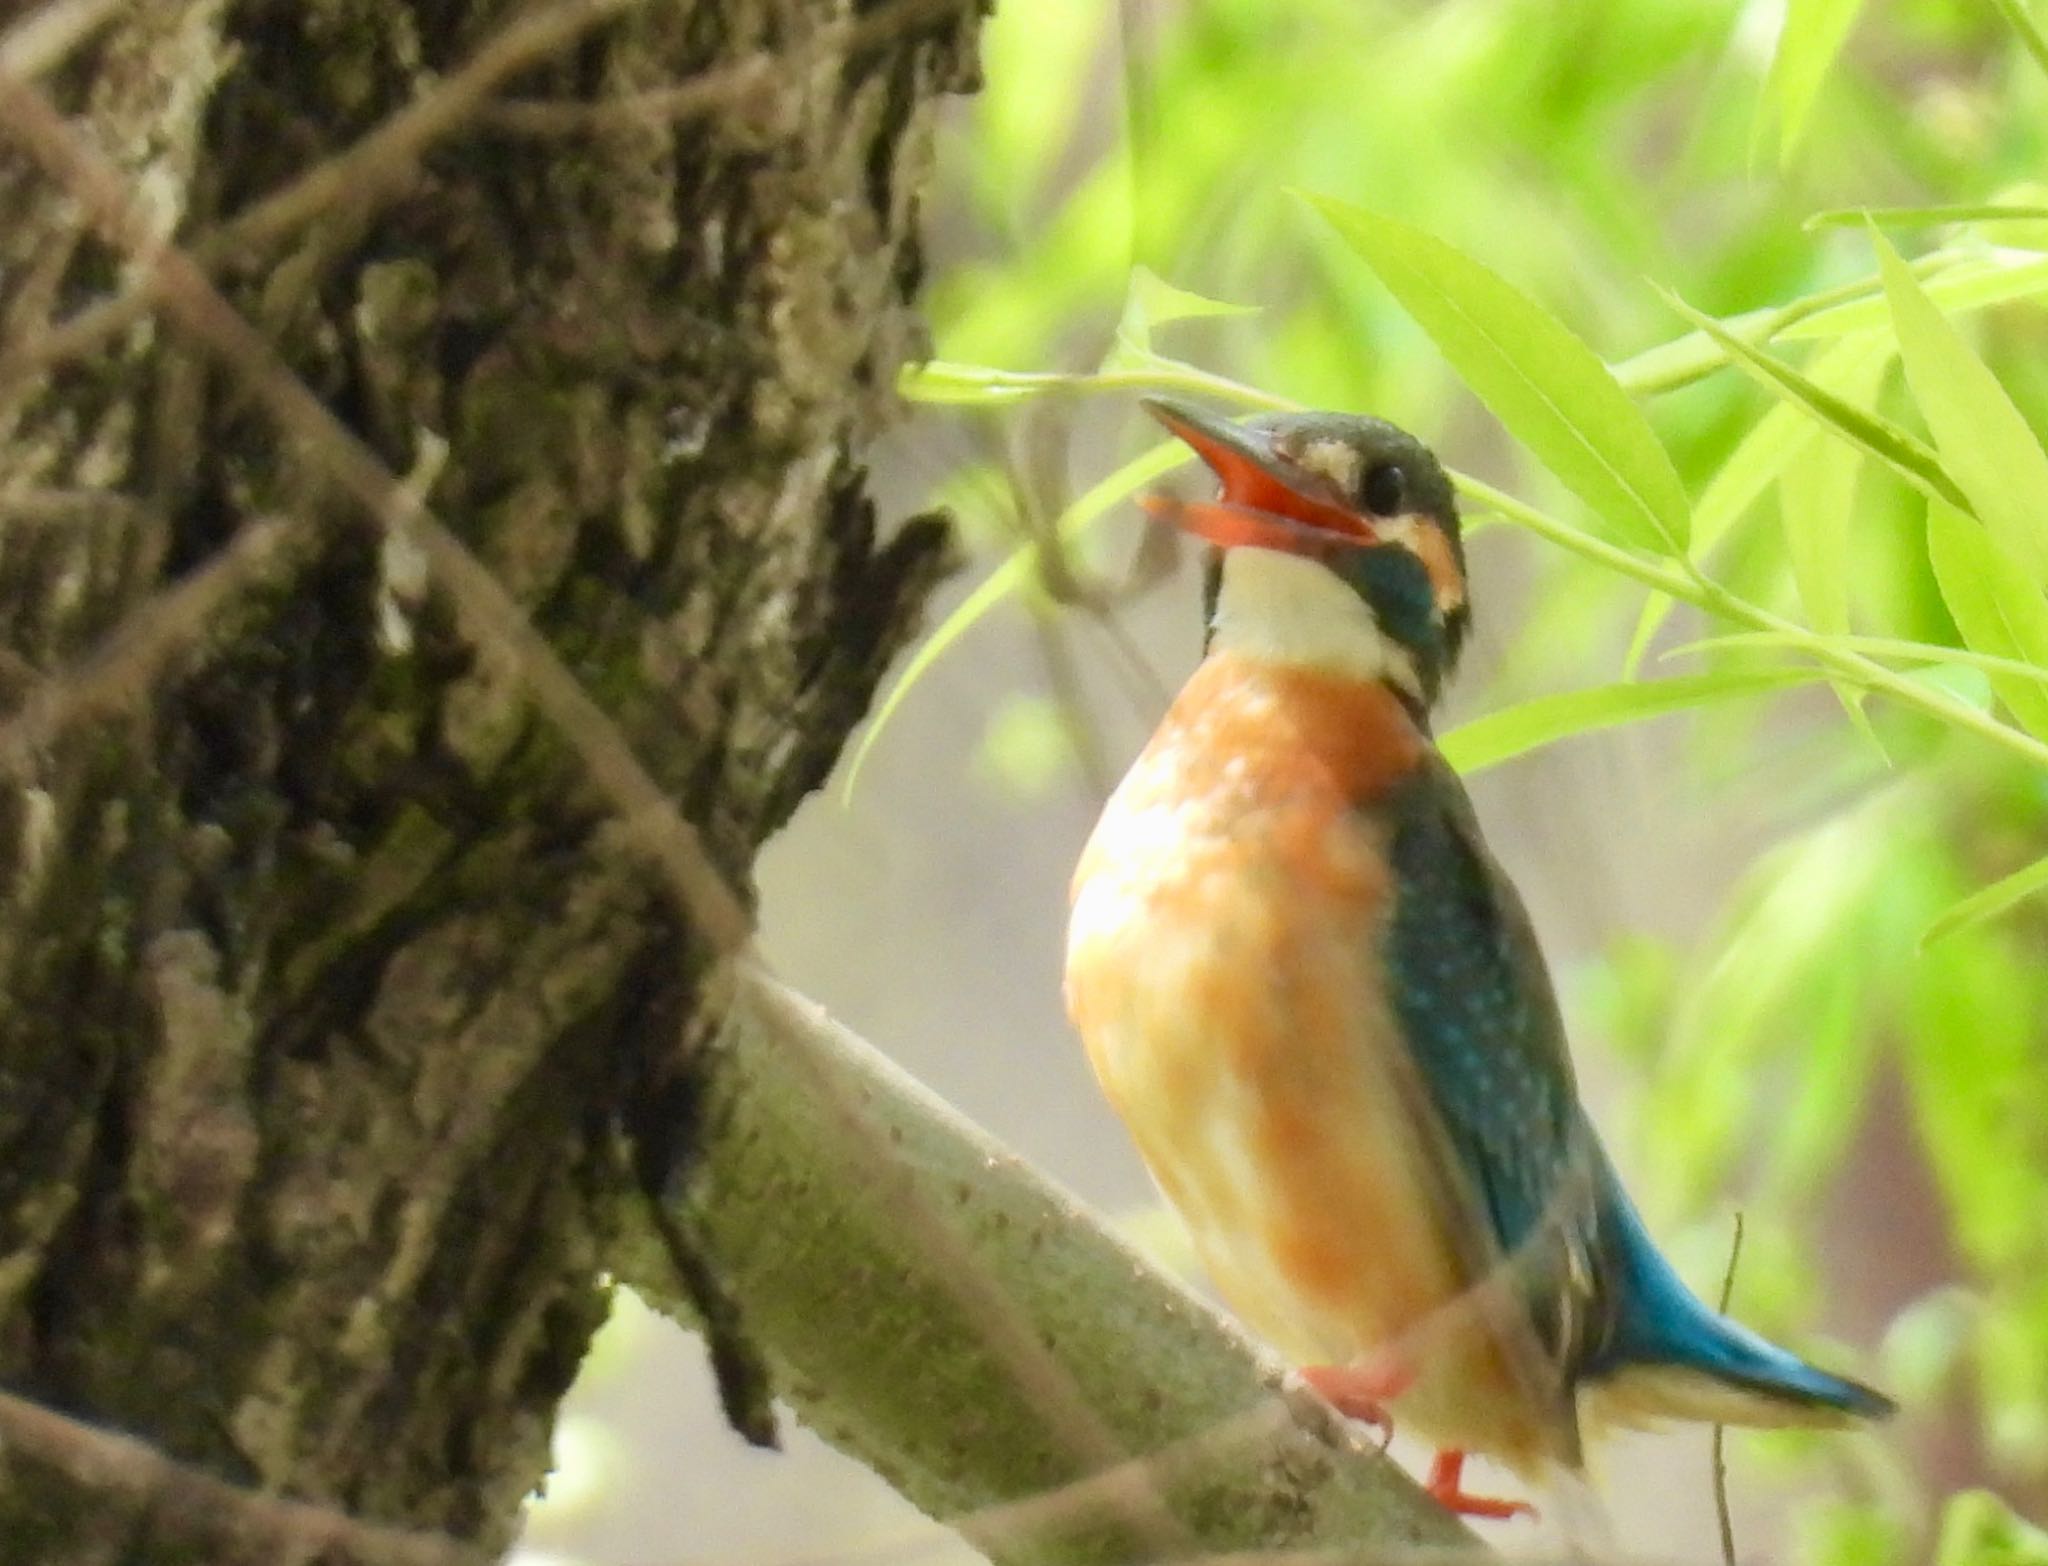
x=1642 y=238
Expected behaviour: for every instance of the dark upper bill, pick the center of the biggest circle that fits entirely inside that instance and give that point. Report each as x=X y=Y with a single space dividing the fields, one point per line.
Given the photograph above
x=1267 y=500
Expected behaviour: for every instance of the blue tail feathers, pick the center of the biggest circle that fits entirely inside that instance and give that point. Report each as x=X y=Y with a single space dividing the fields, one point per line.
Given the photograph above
x=1658 y=1322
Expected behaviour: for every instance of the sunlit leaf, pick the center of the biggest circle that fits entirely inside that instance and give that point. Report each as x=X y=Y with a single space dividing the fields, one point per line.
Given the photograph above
x=1901 y=451
x=1955 y=280
x=1815 y=1117
x=1817 y=509
x=1512 y=731
x=1153 y=302
x=2000 y=896
x=1978 y=1529
x=1923 y=217
x=1803 y=909
x=2022 y=22
x=1848 y=1533
x=1548 y=388
x=1780 y=438
x=945 y=381
x=1984 y=443
x=1925 y=1342
x=1976 y=285
x=1999 y=611
x=1876 y=646
x=1811 y=37
x=1971 y=1024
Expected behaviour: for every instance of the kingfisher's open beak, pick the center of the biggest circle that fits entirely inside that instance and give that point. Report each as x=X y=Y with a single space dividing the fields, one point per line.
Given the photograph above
x=1268 y=501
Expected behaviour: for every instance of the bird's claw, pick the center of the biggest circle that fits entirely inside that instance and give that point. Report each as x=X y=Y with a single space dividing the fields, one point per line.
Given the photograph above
x=1446 y=1488
x=1360 y=1392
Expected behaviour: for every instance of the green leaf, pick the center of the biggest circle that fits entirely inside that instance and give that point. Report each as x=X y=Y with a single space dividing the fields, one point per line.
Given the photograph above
x=1978 y=1529
x=2022 y=22
x=1989 y=902
x=1998 y=610
x=947 y=382
x=1816 y=502
x=1899 y=450
x=1876 y=646
x=1954 y=282
x=1975 y=286
x=1817 y=508
x=1812 y=35
x=1501 y=736
x=1923 y=217
x=1153 y=302
x=1548 y=388
x=1984 y=442
x=1777 y=441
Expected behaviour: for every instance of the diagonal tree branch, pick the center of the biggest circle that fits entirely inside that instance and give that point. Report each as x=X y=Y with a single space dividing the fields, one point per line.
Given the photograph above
x=877 y=1349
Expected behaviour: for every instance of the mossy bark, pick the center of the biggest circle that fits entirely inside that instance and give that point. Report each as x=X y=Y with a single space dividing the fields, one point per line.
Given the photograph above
x=324 y=986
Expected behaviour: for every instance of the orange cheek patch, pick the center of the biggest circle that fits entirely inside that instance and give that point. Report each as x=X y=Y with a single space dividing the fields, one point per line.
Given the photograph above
x=1430 y=545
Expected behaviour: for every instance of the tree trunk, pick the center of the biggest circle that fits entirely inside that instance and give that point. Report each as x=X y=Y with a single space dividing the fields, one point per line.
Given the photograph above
x=328 y=978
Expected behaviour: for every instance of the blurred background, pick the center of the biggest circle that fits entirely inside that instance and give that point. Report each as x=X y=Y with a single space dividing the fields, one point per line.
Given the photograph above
x=1734 y=898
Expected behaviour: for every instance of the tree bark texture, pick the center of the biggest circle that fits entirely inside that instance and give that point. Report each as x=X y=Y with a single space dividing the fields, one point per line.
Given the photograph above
x=327 y=978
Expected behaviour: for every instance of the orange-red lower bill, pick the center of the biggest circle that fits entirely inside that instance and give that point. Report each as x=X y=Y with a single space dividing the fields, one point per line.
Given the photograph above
x=1233 y=526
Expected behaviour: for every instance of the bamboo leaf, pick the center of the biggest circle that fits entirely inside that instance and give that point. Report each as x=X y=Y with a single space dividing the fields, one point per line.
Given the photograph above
x=1975 y=286
x=1512 y=731
x=1989 y=902
x=1781 y=438
x=1955 y=281
x=2022 y=22
x=1153 y=302
x=1546 y=386
x=1904 y=453
x=1875 y=646
x=1816 y=499
x=946 y=381
x=1997 y=609
x=1984 y=442
x=1924 y=217
x=1811 y=37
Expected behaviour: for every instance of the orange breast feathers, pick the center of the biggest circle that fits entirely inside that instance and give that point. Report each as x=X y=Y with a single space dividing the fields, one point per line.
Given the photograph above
x=1220 y=971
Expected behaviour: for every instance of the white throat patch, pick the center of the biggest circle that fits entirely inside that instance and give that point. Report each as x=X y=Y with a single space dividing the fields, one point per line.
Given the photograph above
x=1281 y=608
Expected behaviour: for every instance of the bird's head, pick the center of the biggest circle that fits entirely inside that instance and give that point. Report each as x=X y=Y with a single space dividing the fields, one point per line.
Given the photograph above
x=1336 y=543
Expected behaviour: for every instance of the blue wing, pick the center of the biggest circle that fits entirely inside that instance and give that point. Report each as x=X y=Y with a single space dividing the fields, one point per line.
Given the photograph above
x=1481 y=1021
x=1474 y=999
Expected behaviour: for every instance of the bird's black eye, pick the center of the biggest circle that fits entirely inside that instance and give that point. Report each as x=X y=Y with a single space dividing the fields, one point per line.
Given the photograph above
x=1386 y=490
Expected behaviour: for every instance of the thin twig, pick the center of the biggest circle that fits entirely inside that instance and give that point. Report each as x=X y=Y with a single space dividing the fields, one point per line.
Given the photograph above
x=45 y=38
x=724 y=88
x=117 y=1465
x=143 y=643
x=377 y=166
x=369 y=172
x=1721 y=1515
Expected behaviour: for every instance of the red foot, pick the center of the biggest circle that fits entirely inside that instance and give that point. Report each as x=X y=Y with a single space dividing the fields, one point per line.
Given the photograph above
x=1361 y=1392
x=1444 y=1486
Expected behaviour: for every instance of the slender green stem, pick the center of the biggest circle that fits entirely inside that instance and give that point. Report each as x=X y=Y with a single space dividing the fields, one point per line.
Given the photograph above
x=1682 y=578
x=1687 y=583
x=1165 y=375
x=2023 y=23
x=1686 y=359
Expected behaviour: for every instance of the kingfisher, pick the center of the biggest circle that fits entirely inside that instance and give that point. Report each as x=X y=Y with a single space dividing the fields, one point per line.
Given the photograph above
x=1319 y=1005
